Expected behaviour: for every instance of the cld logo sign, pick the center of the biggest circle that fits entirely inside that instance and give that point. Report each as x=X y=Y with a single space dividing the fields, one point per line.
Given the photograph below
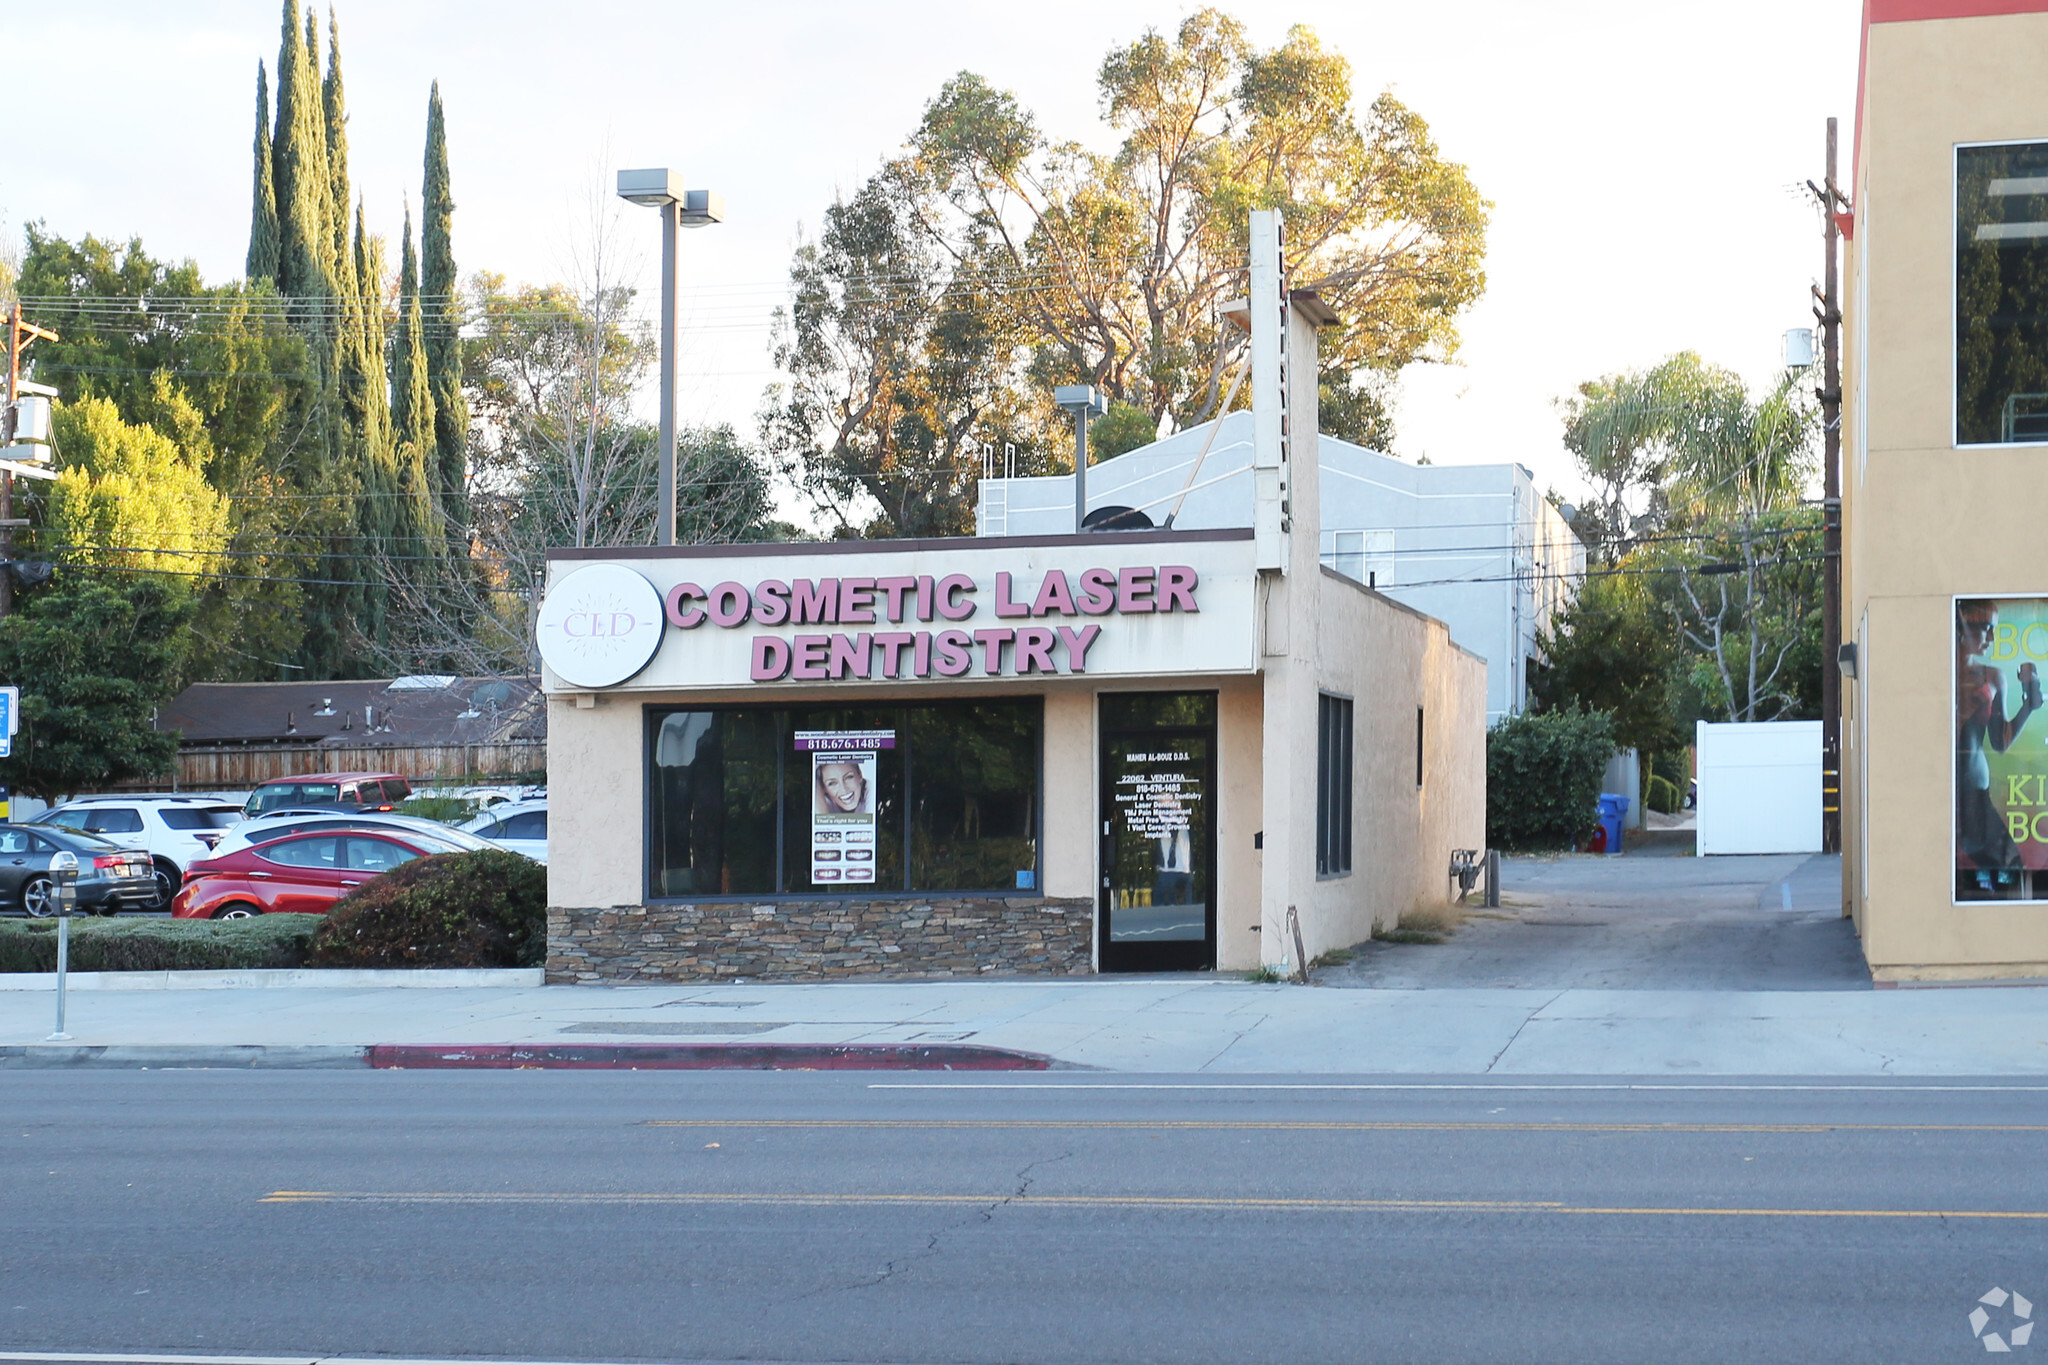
x=599 y=626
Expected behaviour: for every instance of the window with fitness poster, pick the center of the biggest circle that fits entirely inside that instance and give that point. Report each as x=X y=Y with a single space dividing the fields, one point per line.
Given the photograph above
x=2001 y=759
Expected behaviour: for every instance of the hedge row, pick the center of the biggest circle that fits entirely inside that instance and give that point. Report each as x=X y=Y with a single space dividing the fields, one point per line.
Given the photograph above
x=160 y=945
x=483 y=909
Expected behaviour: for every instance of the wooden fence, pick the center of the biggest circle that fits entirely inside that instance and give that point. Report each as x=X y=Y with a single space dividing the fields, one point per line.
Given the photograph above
x=240 y=767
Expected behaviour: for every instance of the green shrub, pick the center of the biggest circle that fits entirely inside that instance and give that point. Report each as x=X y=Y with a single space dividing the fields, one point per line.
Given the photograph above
x=159 y=945
x=1664 y=797
x=448 y=810
x=483 y=909
x=1543 y=772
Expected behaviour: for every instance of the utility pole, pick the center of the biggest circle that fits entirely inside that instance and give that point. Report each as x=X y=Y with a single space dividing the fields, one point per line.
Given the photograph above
x=1828 y=310
x=19 y=335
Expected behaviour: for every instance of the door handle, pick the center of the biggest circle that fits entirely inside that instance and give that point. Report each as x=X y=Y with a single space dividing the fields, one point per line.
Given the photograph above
x=351 y=883
x=264 y=875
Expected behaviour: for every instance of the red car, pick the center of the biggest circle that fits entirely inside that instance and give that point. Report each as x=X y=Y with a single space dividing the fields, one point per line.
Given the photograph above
x=301 y=873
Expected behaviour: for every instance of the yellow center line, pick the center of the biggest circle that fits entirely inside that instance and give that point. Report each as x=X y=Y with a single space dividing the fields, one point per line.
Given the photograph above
x=1342 y=1126
x=1108 y=1201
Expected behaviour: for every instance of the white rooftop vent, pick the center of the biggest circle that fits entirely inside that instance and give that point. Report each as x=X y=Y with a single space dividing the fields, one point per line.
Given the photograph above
x=423 y=682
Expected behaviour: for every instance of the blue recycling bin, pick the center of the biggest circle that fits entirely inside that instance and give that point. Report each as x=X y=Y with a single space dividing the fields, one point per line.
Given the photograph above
x=1612 y=809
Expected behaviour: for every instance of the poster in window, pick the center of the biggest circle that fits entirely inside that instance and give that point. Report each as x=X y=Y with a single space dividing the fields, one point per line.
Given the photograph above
x=843 y=822
x=2001 y=758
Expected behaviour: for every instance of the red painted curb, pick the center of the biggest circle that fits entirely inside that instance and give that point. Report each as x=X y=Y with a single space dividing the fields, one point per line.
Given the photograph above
x=705 y=1057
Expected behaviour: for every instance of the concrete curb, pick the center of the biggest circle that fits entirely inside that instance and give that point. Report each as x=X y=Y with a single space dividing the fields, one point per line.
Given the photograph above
x=711 y=1057
x=534 y=1056
x=342 y=978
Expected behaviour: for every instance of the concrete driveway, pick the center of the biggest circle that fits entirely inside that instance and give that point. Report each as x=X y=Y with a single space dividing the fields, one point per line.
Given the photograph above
x=1639 y=922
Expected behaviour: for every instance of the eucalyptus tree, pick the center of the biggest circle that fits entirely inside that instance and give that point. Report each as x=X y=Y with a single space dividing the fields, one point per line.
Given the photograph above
x=1120 y=259
x=902 y=364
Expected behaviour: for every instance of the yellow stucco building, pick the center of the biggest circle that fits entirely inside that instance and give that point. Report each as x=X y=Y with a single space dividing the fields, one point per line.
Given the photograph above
x=1945 y=453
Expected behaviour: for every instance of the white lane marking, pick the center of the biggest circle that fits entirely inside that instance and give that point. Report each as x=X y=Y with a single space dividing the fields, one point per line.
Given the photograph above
x=1350 y=1085
x=138 y=1358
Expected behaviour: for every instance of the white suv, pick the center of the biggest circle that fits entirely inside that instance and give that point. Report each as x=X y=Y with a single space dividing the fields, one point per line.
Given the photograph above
x=521 y=826
x=173 y=830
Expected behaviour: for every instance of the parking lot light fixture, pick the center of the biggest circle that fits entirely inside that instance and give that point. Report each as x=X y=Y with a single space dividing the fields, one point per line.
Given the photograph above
x=661 y=188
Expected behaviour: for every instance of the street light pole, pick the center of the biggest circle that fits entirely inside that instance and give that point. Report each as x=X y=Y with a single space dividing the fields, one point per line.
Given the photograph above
x=665 y=510
x=662 y=189
x=1084 y=402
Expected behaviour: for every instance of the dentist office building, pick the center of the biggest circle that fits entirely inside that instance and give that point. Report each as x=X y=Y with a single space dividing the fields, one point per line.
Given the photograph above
x=1112 y=751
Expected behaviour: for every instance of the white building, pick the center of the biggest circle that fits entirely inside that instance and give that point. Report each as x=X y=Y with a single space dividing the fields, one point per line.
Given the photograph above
x=1476 y=546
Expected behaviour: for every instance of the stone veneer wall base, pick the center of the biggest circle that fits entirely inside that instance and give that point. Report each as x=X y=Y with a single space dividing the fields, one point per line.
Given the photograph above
x=820 y=940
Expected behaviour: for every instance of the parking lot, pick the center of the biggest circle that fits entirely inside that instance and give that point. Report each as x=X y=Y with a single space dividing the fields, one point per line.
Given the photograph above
x=1650 y=920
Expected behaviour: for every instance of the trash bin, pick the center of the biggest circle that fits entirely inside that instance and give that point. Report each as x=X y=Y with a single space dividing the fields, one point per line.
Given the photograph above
x=1612 y=809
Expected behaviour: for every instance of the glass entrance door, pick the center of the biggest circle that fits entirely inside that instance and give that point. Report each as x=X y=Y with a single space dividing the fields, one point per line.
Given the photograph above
x=1158 y=860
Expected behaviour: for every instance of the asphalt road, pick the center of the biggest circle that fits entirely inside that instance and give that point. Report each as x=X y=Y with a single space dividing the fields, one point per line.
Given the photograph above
x=1067 y=1217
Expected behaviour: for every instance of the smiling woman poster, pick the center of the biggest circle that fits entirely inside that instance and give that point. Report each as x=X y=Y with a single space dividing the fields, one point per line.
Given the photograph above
x=2001 y=762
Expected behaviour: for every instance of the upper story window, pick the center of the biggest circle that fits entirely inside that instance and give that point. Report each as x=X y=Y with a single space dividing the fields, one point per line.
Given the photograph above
x=2002 y=294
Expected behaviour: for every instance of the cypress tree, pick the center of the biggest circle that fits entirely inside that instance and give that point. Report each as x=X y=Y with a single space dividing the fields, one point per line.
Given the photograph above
x=298 y=149
x=442 y=315
x=412 y=412
x=369 y=416
x=316 y=431
x=262 y=262
x=335 y=110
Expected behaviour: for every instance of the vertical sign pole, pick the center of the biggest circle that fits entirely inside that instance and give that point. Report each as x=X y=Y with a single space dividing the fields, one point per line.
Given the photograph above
x=7 y=476
x=1269 y=393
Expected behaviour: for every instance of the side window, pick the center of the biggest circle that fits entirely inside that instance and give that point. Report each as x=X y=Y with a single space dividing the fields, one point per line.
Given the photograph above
x=376 y=855
x=350 y=795
x=73 y=818
x=14 y=841
x=397 y=789
x=114 y=820
x=38 y=844
x=532 y=824
x=320 y=851
x=2001 y=377
x=491 y=829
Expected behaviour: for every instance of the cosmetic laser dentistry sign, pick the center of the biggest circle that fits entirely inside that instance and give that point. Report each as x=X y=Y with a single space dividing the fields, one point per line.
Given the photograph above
x=986 y=609
x=843 y=823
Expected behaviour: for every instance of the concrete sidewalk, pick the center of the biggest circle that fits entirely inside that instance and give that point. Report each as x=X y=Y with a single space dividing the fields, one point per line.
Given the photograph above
x=1179 y=1024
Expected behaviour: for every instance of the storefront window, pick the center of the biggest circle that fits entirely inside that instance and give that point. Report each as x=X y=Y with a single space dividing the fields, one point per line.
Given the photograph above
x=2002 y=294
x=712 y=789
x=830 y=800
x=974 y=820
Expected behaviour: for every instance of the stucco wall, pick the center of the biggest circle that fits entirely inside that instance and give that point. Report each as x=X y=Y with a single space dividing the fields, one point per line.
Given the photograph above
x=1925 y=520
x=1391 y=660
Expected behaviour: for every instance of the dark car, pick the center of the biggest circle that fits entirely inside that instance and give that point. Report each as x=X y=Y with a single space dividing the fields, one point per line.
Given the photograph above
x=110 y=878
x=348 y=791
x=299 y=874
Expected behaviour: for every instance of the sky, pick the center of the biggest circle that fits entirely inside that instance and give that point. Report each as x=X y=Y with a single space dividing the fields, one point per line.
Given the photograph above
x=1643 y=160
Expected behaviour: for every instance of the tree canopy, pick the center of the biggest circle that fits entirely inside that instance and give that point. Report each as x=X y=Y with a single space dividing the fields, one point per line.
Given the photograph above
x=992 y=259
